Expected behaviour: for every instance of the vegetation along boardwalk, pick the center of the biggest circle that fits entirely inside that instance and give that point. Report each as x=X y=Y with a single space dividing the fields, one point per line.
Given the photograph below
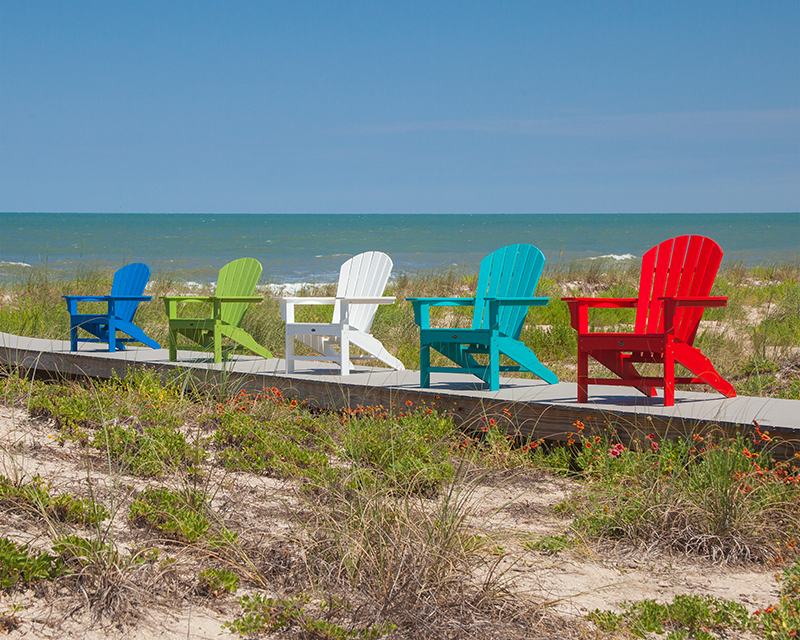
x=529 y=408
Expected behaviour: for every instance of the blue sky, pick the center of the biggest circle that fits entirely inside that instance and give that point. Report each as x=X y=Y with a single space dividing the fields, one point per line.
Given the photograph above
x=429 y=107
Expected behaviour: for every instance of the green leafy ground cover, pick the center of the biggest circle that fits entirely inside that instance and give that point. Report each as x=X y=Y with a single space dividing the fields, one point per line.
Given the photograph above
x=382 y=526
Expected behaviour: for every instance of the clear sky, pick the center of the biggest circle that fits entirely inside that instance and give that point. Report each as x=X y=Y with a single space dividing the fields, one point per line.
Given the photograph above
x=404 y=106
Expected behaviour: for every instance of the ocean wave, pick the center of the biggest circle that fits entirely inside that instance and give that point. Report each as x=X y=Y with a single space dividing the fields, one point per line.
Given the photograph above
x=14 y=264
x=291 y=288
x=615 y=256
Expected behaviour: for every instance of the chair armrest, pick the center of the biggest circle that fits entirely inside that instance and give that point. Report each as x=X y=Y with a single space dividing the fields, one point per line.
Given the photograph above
x=696 y=301
x=72 y=302
x=422 y=307
x=443 y=302
x=579 y=309
x=368 y=300
x=237 y=299
x=306 y=301
x=86 y=298
x=346 y=303
x=520 y=302
x=619 y=303
x=671 y=304
x=494 y=305
x=288 y=304
x=187 y=298
x=171 y=303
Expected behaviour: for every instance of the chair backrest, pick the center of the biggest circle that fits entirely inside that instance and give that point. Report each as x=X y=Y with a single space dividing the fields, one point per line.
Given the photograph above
x=237 y=278
x=363 y=275
x=129 y=281
x=683 y=266
x=512 y=272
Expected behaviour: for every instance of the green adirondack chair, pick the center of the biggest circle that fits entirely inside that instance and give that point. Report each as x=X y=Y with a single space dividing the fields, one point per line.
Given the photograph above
x=235 y=287
x=506 y=283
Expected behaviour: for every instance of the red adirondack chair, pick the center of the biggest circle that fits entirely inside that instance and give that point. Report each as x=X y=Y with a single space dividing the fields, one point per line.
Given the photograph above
x=676 y=279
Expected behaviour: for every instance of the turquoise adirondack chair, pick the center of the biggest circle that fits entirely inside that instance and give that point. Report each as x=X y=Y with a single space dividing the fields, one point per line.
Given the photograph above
x=126 y=294
x=506 y=283
x=235 y=287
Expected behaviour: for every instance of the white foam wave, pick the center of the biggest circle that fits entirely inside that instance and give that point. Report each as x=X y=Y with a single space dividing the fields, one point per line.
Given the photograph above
x=291 y=288
x=14 y=264
x=615 y=256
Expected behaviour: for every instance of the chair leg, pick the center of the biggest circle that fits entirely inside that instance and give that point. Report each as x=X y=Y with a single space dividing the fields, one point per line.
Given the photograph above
x=217 y=347
x=425 y=366
x=344 y=352
x=289 y=358
x=137 y=334
x=669 y=375
x=173 y=345
x=73 y=337
x=494 y=366
x=112 y=335
x=583 y=374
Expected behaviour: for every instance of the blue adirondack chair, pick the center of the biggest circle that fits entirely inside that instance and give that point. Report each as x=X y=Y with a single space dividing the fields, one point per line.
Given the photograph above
x=506 y=283
x=126 y=294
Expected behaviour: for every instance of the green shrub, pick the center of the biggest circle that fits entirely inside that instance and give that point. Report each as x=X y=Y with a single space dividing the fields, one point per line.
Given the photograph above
x=411 y=450
x=692 y=614
x=180 y=515
x=35 y=496
x=721 y=498
x=152 y=451
x=21 y=566
x=216 y=582
x=283 y=447
x=782 y=621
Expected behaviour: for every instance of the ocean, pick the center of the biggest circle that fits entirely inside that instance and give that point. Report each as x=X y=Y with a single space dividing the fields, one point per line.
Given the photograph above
x=296 y=248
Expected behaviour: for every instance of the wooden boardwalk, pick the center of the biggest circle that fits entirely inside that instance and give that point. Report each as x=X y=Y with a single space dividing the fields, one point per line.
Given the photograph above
x=526 y=406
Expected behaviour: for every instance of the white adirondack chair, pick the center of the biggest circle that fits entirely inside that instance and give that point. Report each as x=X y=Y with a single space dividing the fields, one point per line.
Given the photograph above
x=362 y=280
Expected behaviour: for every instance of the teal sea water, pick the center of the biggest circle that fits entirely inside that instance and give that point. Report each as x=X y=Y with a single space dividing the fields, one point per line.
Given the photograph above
x=310 y=247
